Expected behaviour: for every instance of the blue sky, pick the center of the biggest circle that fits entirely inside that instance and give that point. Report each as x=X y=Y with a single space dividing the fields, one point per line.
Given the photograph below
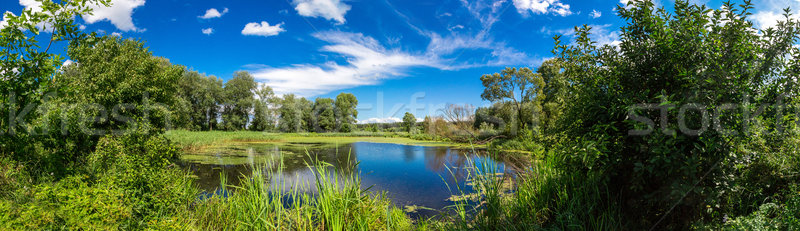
x=395 y=56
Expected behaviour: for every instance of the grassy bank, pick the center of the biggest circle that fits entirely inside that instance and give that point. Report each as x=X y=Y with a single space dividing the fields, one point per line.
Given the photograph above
x=198 y=140
x=267 y=202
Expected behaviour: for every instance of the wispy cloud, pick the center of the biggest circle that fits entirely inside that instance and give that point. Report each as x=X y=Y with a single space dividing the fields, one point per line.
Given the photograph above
x=769 y=12
x=604 y=34
x=595 y=14
x=384 y=120
x=448 y=47
x=4 y=22
x=368 y=63
x=556 y=7
x=208 y=31
x=213 y=13
x=262 y=29
x=334 y=10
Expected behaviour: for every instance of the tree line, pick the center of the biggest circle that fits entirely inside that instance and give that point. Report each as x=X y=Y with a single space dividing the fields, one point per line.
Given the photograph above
x=207 y=103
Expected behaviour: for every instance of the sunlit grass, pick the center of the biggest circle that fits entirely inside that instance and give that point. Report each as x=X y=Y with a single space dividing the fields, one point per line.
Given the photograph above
x=266 y=201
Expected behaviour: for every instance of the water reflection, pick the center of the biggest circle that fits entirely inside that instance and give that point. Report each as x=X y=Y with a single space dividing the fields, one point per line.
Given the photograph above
x=412 y=175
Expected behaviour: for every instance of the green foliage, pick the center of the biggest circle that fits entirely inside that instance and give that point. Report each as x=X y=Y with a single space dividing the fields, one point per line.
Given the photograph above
x=324 y=115
x=693 y=56
x=263 y=116
x=346 y=112
x=239 y=100
x=199 y=96
x=544 y=197
x=142 y=167
x=71 y=203
x=290 y=114
x=409 y=121
x=521 y=87
x=263 y=204
x=122 y=80
x=27 y=69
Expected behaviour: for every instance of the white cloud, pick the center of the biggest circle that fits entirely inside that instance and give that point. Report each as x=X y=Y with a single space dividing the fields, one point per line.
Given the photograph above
x=499 y=54
x=213 y=13
x=386 y=120
x=208 y=31
x=262 y=29
x=367 y=63
x=4 y=23
x=82 y=27
x=601 y=34
x=605 y=35
x=120 y=14
x=542 y=7
x=595 y=14
x=328 y=9
x=116 y=34
x=380 y=120
x=35 y=7
x=67 y=63
x=766 y=19
x=456 y=27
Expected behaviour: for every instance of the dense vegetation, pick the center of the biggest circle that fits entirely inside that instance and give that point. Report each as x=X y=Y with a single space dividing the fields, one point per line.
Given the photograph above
x=205 y=103
x=688 y=123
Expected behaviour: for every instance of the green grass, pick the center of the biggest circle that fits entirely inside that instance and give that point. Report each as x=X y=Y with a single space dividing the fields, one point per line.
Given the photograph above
x=197 y=140
x=192 y=139
x=265 y=201
x=540 y=198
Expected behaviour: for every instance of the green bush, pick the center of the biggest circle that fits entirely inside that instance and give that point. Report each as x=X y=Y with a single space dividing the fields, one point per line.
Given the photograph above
x=143 y=167
x=72 y=203
x=689 y=56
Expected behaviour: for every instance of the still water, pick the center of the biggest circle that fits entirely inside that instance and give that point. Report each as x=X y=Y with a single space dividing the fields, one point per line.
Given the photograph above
x=411 y=175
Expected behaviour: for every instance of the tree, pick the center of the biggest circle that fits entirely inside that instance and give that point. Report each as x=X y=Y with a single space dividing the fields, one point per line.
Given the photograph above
x=324 y=114
x=488 y=115
x=199 y=98
x=239 y=100
x=290 y=115
x=260 y=117
x=409 y=121
x=427 y=125
x=307 y=118
x=346 y=112
x=263 y=118
x=665 y=64
x=460 y=115
x=521 y=87
x=26 y=69
x=123 y=76
x=554 y=93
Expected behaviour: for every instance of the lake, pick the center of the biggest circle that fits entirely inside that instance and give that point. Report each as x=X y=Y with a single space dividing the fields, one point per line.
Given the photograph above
x=411 y=175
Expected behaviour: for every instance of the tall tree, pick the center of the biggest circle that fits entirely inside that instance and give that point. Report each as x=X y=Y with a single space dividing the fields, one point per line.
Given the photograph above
x=554 y=92
x=123 y=76
x=346 y=112
x=263 y=116
x=409 y=121
x=324 y=114
x=201 y=95
x=290 y=114
x=239 y=99
x=307 y=118
x=519 y=86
